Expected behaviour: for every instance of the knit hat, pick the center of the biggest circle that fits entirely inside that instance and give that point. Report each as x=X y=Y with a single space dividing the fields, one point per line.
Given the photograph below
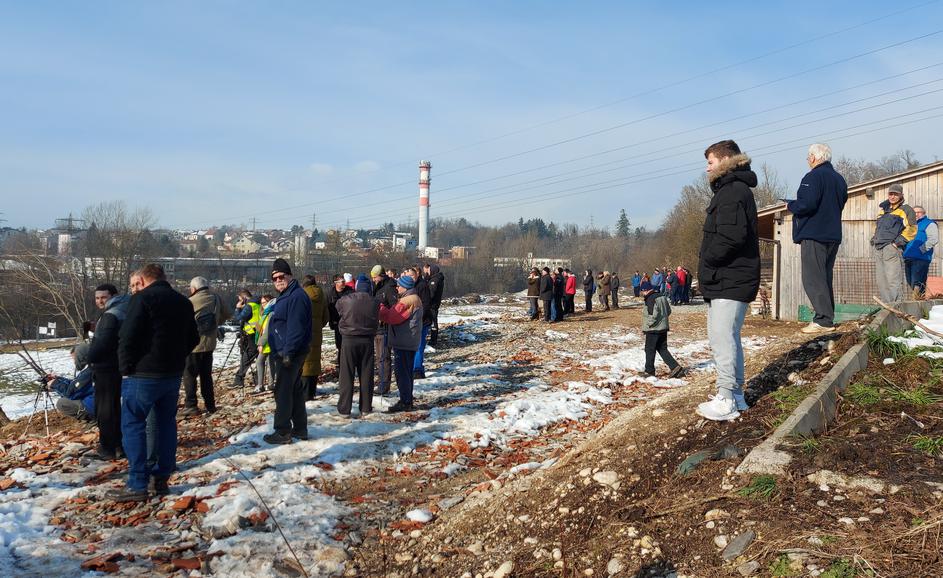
x=406 y=282
x=281 y=266
x=896 y=188
x=645 y=286
x=348 y=277
x=363 y=284
x=376 y=271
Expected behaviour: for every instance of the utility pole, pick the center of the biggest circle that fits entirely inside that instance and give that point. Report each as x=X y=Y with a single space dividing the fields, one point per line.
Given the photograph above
x=253 y=224
x=348 y=223
x=314 y=221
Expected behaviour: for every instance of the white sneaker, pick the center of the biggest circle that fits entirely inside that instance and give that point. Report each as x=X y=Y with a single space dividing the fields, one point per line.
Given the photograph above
x=815 y=328
x=718 y=409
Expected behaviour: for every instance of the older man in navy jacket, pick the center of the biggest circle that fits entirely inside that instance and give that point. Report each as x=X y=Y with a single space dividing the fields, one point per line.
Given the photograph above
x=816 y=227
x=289 y=337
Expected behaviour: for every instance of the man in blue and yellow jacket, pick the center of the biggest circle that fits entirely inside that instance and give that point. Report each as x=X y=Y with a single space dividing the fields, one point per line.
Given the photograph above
x=248 y=314
x=894 y=228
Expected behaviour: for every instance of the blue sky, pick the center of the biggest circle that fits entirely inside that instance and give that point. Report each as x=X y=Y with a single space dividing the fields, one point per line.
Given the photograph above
x=215 y=112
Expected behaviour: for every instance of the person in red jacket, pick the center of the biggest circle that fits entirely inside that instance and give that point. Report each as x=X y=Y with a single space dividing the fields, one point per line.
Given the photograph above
x=569 y=292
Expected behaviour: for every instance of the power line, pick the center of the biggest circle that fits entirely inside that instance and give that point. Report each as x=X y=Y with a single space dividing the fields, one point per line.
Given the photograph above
x=677 y=146
x=614 y=127
x=688 y=131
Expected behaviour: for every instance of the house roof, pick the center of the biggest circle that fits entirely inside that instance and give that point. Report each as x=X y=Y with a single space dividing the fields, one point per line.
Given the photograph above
x=862 y=188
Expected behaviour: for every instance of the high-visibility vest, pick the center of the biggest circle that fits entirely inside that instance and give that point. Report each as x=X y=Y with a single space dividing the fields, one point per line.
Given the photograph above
x=263 y=325
x=249 y=327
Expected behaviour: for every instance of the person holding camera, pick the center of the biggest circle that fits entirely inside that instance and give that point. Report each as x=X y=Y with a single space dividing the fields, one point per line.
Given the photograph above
x=248 y=313
x=209 y=313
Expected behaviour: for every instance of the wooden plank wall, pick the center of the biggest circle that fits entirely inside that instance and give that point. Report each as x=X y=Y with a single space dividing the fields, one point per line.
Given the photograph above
x=854 y=268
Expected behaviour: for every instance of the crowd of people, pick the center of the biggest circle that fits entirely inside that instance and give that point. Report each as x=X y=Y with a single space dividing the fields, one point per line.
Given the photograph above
x=150 y=341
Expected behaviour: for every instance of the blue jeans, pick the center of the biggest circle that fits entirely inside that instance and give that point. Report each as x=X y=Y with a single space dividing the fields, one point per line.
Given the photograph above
x=140 y=395
x=916 y=271
x=418 y=361
x=403 y=368
x=532 y=310
x=724 y=320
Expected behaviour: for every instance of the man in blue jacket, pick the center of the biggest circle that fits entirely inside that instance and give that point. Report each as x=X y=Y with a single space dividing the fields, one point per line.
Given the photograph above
x=78 y=395
x=816 y=227
x=289 y=337
x=919 y=252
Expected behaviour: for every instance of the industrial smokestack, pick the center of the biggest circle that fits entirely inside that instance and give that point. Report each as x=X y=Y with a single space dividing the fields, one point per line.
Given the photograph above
x=424 y=169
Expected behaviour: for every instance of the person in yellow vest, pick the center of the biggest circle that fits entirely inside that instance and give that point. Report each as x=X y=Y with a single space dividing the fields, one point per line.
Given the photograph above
x=248 y=313
x=894 y=228
x=267 y=302
x=319 y=317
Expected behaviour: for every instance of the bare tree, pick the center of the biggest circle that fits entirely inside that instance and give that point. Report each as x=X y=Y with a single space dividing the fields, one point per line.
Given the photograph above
x=860 y=170
x=116 y=237
x=770 y=187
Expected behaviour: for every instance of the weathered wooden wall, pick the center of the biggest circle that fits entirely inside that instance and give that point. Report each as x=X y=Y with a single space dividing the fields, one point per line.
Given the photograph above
x=854 y=269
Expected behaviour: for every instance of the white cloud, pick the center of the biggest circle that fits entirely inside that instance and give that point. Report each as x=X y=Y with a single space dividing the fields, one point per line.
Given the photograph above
x=367 y=167
x=321 y=169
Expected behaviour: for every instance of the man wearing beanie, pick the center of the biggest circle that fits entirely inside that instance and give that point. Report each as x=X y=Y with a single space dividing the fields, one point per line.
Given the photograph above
x=384 y=293
x=289 y=339
x=895 y=227
x=405 y=332
x=358 y=324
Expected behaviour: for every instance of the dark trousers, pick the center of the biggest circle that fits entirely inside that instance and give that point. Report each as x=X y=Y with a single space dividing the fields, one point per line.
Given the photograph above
x=199 y=365
x=589 y=300
x=403 y=367
x=615 y=298
x=636 y=290
x=657 y=342
x=338 y=339
x=547 y=304
x=356 y=359
x=568 y=303
x=290 y=414
x=108 y=409
x=916 y=271
x=818 y=261
x=434 y=331
x=247 y=354
x=558 y=308
x=533 y=311
x=383 y=359
x=604 y=301
x=139 y=397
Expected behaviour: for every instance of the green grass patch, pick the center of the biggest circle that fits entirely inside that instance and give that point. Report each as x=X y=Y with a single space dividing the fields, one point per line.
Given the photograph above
x=930 y=445
x=786 y=400
x=810 y=445
x=918 y=395
x=917 y=522
x=863 y=393
x=840 y=568
x=782 y=567
x=879 y=343
x=761 y=488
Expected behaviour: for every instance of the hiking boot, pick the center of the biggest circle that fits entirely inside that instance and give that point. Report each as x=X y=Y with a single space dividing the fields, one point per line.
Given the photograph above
x=276 y=438
x=126 y=495
x=303 y=436
x=237 y=384
x=103 y=454
x=643 y=374
x=678 y=371
x=419 y=374
x=159 y=487
x=719 y=409
x=188 y=411
x=400 y=406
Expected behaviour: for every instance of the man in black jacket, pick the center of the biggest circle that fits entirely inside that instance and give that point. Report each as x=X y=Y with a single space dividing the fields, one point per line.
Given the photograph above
x=384 y=293
x=558 y=284
x=337 y=290
x=546 y=292
x=588 y=283
x=729 y=271
x=436 y=281
x=816 y=228
x=156 y=337
x=103 y=357
x=359 y=313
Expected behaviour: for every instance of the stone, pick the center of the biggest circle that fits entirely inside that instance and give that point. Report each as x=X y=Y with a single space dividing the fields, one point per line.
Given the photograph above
x=403 y=557
x=504 y=570
x=647 y=543
x=738 y=545
x=716 y=514
x=448 y=503
x=476 y=548
x=692 y=461
x=710 y=525
x=557 y=554
x=748 y=568
x=847 y=521
x=333 y=555
x=606 y=478
x=614 y=566
x=720 y=541
x=585 y=472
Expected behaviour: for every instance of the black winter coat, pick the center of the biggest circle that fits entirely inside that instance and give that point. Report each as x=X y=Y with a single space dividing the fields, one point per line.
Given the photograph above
x=103 y=349
x=425 y=295
x=588 y=283
x=436 y=282
x=332 y=297
x=558 y=286
x=546 y=288
x=158 y=333
x=360 y=315
x=384 y=292
x=729 y=265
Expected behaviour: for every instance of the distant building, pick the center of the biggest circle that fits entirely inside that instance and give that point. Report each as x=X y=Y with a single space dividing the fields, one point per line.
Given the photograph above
x=434 y=253
x=526 y=263
x=461 y=253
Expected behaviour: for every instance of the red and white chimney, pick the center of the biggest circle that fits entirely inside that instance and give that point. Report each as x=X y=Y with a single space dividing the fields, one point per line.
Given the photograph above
x=424 y=168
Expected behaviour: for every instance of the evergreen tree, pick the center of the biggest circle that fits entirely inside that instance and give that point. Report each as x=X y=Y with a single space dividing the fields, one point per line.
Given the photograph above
x=622 y=225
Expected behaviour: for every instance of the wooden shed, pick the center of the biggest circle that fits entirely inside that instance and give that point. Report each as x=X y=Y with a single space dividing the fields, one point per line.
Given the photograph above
x=854 y=281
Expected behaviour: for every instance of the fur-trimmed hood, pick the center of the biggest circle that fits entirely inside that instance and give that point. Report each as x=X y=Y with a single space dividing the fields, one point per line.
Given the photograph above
x=729 y=165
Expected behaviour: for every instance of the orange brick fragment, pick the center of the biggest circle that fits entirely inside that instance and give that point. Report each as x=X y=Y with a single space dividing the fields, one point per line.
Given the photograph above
x=187 y=563
x=202 y=506
x=184 y=503
x=40 y=456
x=6 y=484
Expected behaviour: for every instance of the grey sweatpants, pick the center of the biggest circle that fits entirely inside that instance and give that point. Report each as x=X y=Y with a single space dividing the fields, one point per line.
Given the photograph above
x=889 y=271
x=818 y=261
